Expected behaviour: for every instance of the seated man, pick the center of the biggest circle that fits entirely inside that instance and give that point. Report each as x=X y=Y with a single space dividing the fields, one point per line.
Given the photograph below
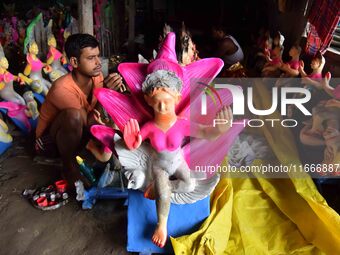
x=228 y=48
x=70 y=106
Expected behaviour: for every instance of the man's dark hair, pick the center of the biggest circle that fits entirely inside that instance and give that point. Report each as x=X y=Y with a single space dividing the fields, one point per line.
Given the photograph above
x=76 y=42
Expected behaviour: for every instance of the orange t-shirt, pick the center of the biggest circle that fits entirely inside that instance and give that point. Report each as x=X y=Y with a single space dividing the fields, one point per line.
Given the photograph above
x=64 y=94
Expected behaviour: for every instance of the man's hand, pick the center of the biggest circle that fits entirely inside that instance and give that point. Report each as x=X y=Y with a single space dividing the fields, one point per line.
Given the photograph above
x=114 y=81
x=94 y=118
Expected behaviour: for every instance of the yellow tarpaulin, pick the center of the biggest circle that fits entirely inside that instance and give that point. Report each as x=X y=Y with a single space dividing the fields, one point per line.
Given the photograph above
x=266 y=216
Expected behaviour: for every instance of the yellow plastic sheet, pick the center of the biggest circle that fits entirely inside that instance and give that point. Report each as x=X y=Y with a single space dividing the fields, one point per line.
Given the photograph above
x=266 y=216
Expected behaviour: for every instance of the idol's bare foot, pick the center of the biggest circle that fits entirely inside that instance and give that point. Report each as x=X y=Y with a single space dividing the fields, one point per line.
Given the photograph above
x=160 y=235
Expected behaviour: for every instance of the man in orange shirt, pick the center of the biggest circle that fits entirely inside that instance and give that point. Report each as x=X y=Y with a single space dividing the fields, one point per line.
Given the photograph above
x=70 y=106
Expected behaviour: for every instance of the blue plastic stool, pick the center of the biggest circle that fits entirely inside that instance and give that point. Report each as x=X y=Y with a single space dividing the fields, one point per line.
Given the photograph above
x=142 y=220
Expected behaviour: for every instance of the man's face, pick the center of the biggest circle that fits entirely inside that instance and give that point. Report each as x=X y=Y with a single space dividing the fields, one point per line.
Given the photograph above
x=89 y=62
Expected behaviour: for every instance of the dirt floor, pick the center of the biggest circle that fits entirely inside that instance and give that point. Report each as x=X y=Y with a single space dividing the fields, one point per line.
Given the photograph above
x=67 y=230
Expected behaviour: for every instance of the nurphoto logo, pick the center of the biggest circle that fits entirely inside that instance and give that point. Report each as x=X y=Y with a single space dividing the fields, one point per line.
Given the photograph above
x=239 y=99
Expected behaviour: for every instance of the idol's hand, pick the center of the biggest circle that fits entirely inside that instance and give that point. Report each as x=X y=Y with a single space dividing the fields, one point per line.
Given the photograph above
x=47 y=69
x=132 y=136
x=302 y=66
x=226 y=115
x=326 y=79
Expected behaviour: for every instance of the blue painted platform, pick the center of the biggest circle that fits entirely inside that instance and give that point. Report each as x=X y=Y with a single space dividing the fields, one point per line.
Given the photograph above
x=142 y=220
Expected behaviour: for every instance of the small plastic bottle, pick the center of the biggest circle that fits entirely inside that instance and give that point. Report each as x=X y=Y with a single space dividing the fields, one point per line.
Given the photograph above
x=86 y=170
